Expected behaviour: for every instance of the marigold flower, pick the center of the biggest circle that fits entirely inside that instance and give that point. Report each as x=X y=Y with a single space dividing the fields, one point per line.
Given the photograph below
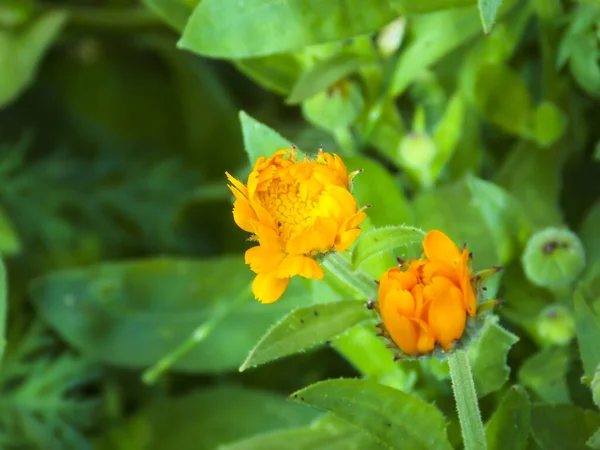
x=296 y=210
x=426 y=301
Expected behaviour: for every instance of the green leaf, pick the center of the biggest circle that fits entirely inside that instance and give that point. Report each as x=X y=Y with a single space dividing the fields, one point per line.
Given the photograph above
x=259 y=139
x=336 y=108
x=488 y=358
x=509 y=427
x=594 y=441
x=553 y=257
x=3 y=308
x=558 y=427
x=174 y=12
x=448 y=132
x=405 y=7
x=435 y=35
x=202 y=420
x=20 y=54
x=587 y=327
x=546 y=374
x=132 y=314
x=323 y=74
x=391 y=208
x=238 y=29
x=277 y=73
x=397 y=420
x=549 y=124
x=503 y=98
x=488 y=9
x=9 y=240
x=385 y=239
x=305 y=328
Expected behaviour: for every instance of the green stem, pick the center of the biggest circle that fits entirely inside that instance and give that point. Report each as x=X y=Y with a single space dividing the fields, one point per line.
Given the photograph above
x=357 y=281
x=199 y=334
x=466 y=401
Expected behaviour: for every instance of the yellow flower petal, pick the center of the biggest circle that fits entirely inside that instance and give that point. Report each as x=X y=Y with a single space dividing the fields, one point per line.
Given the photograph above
x=447 y=317
x=267 y=288
x=401 y=329
x=304 y=266
x=439 y=247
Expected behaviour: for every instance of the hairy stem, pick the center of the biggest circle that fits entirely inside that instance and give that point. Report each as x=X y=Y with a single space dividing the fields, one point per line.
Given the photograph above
x=357 y=281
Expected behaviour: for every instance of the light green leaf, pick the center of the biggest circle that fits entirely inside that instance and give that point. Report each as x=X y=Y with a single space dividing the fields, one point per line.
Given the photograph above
x=305 y=328
x=549 y=124
x=132 y=314
x=435 y=35
x=259 y=139
x=546 y=374
x=448 y=132
x=587 y=327
x=385 y=239
x=488 y=9
x=553 y=257
x=9 y=240
x=174 y=12
x=405 y=7
x=509 y=427
x=558 y=427
x=202 y=420
x=397 y=420
x=323 y=74
x=503 y=98
x=336 y=108
x=239 y=29
x=277 y=73
x=20 y=54
x=488 y=358
x=594 y=441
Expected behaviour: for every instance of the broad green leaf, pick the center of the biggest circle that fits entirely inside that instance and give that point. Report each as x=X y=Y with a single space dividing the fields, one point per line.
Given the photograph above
x=488 y=9
x=545 y=373
x=336 y=108
x=389 y=208
x=305 y=328
x=417 y=153
x=238 y=29
x=508 y=428
x=9 y=240
x=132 y=314
x=435 y=35
x=323 y=74
x=202 y=420
x=488 y=358
x=338 y=436
x=259 y=139
x=397 y=420
x=174 y=12
x=587 y=327
x=448 y=133
x=21 y=53
x=277 y=73
x=594 y=441
x=405 y=7
x=549 y=123
x=553 y=258
x=14 y=13
x=503 y=98
x=560 y=427
x=385 y=239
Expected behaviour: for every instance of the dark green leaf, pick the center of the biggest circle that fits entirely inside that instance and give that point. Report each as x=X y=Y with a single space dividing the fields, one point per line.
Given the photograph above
x=560 y=427
x=239 y=29
x=174 y=12
x=323 y=74
x=488 y=358
x=277 y=73
x=259 y=139
x=385 y=239
x=305 y=328
x=509 y=427
x=587 y=327
x=397 y=420
x=545 y=373
x=133 y=314
x=488 y=9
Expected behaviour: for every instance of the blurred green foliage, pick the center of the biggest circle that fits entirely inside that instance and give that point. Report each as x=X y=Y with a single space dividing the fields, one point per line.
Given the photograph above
x=126 y=298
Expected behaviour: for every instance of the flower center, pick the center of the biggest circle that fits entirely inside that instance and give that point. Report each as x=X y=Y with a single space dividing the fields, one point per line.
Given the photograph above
x=292 y=212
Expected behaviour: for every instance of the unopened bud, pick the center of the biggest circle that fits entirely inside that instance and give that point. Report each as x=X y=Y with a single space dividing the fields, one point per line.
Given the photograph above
x=556 y=325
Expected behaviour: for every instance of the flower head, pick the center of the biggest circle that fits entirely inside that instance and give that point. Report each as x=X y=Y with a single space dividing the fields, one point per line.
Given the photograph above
x=296 y=210
x=426 y=302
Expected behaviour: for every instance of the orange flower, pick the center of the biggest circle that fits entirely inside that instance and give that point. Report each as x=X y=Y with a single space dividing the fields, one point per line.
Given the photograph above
x=296 y=210
x=427 y=300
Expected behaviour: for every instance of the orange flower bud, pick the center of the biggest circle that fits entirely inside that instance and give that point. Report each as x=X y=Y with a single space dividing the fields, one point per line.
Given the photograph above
x=426 y=301
x=296 y=210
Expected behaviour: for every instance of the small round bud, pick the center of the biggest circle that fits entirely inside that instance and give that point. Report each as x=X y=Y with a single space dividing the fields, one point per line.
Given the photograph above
x=556 y=325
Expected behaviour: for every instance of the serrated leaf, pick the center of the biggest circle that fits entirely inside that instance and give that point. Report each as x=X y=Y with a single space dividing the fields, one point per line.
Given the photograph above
x=488 y=358
x=560 y=427
x=397 y=420
x=323 y=74
x=240 y=29
x=488 y=9
x=545 y=373
x=259 y=139
x=509 y=426
x=385 y=239
x=587 y=327
x=305 y=328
